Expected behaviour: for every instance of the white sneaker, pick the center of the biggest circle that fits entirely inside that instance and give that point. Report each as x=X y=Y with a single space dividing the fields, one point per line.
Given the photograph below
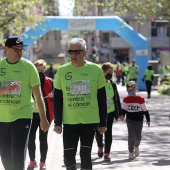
x=131 y=155
x=136 y=151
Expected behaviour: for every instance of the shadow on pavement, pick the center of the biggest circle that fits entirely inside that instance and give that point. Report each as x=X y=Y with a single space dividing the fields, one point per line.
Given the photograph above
x=162 y=163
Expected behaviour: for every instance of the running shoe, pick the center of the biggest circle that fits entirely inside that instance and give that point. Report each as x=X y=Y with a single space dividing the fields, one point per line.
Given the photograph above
x=32 y=165
x=42 y=166
x=100 y=152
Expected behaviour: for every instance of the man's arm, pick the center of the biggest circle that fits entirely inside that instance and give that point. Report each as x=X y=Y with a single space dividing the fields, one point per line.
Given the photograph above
x=12 y=86
x=146 y=113
x=58 y=109
x=44 y=124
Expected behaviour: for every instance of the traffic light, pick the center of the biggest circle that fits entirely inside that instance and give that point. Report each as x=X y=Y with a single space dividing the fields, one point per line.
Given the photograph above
x=92 y=41
x=153 y=23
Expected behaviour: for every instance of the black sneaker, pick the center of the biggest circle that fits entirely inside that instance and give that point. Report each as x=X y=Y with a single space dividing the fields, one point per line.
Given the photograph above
x=107 y=158
x=100 y=152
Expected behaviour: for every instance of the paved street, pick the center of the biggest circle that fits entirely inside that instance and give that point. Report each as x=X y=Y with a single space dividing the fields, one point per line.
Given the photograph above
x=154 y=148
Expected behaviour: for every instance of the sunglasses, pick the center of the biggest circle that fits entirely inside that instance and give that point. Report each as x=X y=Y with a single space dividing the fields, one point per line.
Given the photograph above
x=76 y=52
x=17 y=50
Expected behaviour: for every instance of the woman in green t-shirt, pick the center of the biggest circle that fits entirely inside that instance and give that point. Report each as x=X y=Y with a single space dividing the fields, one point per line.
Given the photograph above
x=113 y=110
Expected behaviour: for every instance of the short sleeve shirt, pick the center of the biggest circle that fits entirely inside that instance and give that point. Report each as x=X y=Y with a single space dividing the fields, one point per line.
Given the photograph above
x=132 y=71
x=80 y=87
x=149 y=74
x=17 y=104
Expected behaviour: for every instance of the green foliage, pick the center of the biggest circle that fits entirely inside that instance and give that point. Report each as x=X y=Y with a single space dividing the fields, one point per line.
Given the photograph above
x=165 y=86
x=166 y=82
x=17 y=15
x=140 y=9
x=49 y=8
x=165 y=90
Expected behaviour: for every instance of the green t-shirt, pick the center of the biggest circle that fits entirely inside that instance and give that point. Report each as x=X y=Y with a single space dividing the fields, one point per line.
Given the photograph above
x=80 y=87
x=133 y=72
x=18 y=103
x=165 y=70
x=124 y=69
x=149 y=74
x=110 y=94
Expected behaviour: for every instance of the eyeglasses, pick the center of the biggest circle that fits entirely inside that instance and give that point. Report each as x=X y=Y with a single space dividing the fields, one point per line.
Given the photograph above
x=76 y=52
x=18 y=50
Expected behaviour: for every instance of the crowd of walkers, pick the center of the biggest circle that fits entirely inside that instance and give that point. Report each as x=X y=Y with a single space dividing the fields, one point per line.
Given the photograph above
x=81 y=99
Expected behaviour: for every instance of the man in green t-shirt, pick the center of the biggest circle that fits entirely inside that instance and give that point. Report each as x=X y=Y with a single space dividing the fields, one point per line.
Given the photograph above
x=79 y=104
x=133 y=71
x=124 y=72
x=18 y=79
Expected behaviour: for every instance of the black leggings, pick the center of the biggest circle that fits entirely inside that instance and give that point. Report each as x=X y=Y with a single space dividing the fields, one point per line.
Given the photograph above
x=13 y=143
x=71 y=136
x=108 y=134
x=148 y=87
x=42 y=139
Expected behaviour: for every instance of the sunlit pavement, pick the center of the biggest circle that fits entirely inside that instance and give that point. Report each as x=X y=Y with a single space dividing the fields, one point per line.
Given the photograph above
x=154 y=148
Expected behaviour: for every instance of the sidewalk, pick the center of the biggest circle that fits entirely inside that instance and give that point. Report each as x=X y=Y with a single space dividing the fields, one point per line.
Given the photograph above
x=154 y=148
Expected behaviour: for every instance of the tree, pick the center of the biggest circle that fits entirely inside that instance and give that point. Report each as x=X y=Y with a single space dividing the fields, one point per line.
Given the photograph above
x=50 y=8
x=140 y=9
x=16 y=15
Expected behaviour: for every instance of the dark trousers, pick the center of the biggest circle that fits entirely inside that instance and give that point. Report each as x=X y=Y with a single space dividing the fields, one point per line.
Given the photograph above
x=118 y=79
x=13 y=143
x=134 y=133
x=124 y=76
x=108 y=134
x=148 y=87
x=42 y=139
x=71 y=136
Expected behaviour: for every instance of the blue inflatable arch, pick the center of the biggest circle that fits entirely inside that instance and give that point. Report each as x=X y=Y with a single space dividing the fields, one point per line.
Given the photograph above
x=112 y=23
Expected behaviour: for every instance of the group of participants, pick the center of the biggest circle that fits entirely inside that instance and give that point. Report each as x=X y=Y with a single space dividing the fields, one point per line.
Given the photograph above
x=41 y=100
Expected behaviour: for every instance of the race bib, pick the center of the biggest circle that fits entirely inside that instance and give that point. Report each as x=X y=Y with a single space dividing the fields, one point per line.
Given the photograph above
x=80 y=87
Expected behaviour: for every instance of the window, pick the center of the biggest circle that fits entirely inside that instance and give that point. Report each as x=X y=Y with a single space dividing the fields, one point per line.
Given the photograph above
x=160 y=29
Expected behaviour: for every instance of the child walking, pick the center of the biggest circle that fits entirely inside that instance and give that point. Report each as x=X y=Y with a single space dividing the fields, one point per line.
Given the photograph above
x=134 y=107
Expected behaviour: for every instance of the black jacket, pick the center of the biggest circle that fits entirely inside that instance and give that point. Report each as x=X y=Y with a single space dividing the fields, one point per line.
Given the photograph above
x=116 y=100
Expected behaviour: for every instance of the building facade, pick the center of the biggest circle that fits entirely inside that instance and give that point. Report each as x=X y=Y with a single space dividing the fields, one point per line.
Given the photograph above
x=111 y=47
